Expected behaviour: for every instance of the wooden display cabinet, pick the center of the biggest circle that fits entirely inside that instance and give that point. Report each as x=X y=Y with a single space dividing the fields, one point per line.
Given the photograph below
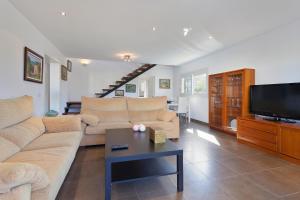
x=229 y=98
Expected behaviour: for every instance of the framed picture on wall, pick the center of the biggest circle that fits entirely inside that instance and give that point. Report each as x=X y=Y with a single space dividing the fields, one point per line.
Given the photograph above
x=130 y=88
x=164 y=83
x=119 y=93
x=64 y=73
x=69 y=65
x=33 y=66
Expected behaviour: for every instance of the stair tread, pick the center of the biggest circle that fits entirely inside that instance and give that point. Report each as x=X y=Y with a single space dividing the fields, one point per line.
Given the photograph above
x=126 y=79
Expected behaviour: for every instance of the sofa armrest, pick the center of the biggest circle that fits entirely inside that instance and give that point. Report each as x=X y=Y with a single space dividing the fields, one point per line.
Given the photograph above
x=62 y=123
x=167 y=116
x=13 y=175
x=90 y=119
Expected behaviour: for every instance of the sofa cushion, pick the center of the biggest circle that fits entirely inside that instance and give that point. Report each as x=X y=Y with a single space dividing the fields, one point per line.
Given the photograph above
x=166 y=116
x=112 y=116
x=147 y=104
x=22 y=192
x=55 y=161
x=13 y=111
x=151 y=115
x=101 y=127
x=62 y=123
x=24 y=132
x=17 y=174
x=103 y=104
x=90 y=119
x=52 y=140
x=7 y=149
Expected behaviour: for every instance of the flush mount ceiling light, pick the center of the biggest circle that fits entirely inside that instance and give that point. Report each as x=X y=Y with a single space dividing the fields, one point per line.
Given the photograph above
x=127 y=58
x=153 y=28
x=186 y=31
x=63 y=13
x=210 y=37
x=85 y=62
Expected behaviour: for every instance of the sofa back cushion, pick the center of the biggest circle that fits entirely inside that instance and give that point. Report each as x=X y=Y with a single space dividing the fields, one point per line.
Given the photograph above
x=140 y=116
x=7 y=149
x=24 y=132
x=147 y=104
x=14 y=111
x=110 y=116
x=103 y=104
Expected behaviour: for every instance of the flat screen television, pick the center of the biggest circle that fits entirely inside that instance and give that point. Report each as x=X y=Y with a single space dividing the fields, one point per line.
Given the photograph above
x=276 y=100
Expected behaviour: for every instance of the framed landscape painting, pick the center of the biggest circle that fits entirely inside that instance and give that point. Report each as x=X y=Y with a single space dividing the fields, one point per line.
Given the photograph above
x=64 y=73
x=33 y=66
x=130 y=88
x=119 y=93
x=164 y=83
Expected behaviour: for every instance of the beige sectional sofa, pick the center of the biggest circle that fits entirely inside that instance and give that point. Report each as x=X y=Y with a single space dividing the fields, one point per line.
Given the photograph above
x=100 y=114
x=35 y=153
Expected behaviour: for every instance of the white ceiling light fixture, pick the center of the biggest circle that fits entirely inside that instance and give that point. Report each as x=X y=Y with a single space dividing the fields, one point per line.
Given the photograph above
x=63 y=13
x=127 y=58
x=153 y=28
x=85 y=62
x=186 y=31
x=210 y=37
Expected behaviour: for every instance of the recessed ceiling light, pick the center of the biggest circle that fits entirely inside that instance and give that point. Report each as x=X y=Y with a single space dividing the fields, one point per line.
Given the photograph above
x=186 y=31
x=210 y=37
x=63 y=13
x=153 y=28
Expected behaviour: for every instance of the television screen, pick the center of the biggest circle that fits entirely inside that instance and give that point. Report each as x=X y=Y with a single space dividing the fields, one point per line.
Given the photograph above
x=276 y=100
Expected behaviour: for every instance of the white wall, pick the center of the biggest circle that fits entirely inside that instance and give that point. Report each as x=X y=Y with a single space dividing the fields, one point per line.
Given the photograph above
x=16 y=32
x=275 y=56
x=91 y=79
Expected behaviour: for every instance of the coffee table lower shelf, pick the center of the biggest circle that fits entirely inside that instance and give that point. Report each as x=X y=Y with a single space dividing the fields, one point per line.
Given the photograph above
x=141 y=169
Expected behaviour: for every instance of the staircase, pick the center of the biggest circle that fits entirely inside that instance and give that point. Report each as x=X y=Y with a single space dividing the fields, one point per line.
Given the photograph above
x=74 y=107
x=125 y=80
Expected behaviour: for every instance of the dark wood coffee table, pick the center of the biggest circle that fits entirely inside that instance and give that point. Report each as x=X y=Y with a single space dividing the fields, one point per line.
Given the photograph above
x=143 y=159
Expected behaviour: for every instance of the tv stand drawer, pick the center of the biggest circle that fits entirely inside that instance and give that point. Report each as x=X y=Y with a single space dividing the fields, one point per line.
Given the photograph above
x=261 y=126
x=258 y=133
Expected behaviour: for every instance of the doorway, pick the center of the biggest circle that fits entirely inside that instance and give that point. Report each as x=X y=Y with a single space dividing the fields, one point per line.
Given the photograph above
x=147 y=87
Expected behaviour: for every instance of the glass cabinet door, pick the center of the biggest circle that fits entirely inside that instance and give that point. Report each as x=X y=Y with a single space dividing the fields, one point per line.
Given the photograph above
x=234 y=98
x=216 y=100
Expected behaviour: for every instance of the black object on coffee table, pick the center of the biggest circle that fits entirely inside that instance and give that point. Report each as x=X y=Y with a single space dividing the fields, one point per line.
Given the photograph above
x=143 y=159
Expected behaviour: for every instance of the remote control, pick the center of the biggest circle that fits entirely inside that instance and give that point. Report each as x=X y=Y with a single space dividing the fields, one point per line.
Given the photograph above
x=119 y=147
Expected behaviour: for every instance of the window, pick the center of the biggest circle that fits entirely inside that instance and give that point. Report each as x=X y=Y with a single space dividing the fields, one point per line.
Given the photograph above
x=194 y=83
x=199 y=83
x=186 y=85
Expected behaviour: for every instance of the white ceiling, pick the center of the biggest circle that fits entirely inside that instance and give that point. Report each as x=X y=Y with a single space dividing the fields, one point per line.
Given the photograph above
x=100 y=29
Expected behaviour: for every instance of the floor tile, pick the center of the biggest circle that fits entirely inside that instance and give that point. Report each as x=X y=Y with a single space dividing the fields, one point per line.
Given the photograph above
x=240 y=188
x=205 y=190
x=241 y=166
x=265 y=160
x=214 y=170
x=276 y=182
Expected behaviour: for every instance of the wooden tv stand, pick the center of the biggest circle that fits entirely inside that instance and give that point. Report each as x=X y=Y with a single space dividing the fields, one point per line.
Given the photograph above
x=279 y=137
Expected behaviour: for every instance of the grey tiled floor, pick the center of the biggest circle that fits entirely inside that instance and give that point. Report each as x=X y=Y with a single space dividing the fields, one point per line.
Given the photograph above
x=216 y=167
